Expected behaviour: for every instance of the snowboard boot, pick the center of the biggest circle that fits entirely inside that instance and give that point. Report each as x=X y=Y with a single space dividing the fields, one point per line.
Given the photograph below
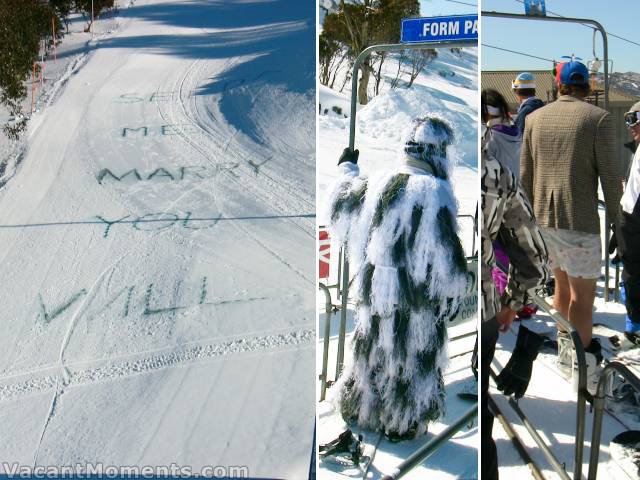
x=593 y=358
x=526 y=312
x=395 y=437
x=568 y=364
x=565 y=352
x=633 y=337
x=347 y=447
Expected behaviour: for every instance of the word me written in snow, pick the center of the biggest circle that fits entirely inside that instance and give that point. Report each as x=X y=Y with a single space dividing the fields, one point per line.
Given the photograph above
x=193 y=172
x=159 y=131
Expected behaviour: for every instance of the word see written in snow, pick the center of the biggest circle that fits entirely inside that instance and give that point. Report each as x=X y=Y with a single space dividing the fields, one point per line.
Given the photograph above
x=194 y=172
x=169 y=96
x=139 y=300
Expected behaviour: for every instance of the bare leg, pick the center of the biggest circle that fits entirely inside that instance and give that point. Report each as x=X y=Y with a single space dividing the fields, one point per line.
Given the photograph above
x=562 y=293
x=583 y=293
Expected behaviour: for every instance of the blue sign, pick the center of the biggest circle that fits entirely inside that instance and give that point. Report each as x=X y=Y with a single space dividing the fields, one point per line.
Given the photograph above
x=436 y=29
x=535 y=7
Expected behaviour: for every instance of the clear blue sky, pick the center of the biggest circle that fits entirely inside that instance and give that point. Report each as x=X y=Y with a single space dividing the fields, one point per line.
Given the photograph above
x=551 y=40
x=437 y=8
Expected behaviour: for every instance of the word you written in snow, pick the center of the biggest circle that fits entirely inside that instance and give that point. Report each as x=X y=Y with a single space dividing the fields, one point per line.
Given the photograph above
x=140 y=300
x=193 y=172
x=159 y=221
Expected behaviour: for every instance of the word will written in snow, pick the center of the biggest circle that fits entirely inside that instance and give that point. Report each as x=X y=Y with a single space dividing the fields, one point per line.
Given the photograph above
x=195 y=172
x=160 y=221
x=161 y=131
x=136 y=300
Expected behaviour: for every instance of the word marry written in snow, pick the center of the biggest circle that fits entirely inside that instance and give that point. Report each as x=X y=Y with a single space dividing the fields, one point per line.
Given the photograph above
x=194 y=172
x=139 y=300
x=162 y=130
x=435 y=29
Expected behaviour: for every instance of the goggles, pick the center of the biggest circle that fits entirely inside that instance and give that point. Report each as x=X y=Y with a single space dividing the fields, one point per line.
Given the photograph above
x=631 y=118
x=425 y=149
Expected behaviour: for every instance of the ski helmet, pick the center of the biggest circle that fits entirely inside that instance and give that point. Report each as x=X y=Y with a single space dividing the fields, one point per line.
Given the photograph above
x=523 y=80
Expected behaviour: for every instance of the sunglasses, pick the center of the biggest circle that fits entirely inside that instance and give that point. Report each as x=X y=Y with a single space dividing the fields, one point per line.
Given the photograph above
x=631 y=118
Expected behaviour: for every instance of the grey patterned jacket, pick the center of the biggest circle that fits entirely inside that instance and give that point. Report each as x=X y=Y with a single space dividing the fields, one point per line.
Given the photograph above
x=507 y=216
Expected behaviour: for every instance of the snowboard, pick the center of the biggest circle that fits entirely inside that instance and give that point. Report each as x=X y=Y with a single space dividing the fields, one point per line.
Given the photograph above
x=615 y=345
x=625 y=452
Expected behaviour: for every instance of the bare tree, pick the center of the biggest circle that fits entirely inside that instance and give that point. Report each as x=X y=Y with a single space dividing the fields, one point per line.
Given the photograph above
x=418 y=59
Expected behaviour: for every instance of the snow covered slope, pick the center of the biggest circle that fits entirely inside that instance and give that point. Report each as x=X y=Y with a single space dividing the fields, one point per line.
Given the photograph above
x=157 y=248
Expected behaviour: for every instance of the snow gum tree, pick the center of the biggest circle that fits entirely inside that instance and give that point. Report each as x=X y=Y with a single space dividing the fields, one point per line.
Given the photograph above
x=22 y=24
x=363 y=23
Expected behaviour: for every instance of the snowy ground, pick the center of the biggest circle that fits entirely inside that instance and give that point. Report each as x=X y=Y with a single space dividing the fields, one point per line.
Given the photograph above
x=156 y=241
x=379 y=127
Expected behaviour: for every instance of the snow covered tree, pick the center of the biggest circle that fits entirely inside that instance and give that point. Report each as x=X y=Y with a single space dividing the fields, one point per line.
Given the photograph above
x=23 y=23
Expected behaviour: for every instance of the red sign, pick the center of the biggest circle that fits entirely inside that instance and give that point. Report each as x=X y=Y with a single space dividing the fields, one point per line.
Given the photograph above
x=325 y=252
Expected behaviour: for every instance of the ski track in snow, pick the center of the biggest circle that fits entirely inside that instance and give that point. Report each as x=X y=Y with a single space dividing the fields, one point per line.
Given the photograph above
x=123 y=368
x=172 y=117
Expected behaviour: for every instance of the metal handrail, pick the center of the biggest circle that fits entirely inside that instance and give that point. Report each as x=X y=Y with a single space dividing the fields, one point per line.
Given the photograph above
x=325 y=346
x=596 y=25
x=612 y=368
x=419 y=456
x=582 y=397
x=607 y=261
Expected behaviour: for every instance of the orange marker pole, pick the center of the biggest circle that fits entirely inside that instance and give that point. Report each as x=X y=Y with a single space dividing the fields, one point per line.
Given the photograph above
x=33 y=86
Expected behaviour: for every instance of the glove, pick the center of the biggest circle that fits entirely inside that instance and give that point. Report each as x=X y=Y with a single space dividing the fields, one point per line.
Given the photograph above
x=514 y=378
x=349 y=155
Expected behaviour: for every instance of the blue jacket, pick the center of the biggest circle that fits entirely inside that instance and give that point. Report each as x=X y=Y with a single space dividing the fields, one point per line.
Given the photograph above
x=528 y=106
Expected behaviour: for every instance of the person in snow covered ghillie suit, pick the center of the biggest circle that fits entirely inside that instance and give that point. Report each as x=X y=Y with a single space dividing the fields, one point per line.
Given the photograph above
x=400 y=231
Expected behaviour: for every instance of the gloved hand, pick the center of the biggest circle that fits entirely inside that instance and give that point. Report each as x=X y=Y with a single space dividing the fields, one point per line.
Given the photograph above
x=514 y=377
x=349 y=156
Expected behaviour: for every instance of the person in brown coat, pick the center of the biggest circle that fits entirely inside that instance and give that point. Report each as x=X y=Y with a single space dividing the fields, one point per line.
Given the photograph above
x=567 y=146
